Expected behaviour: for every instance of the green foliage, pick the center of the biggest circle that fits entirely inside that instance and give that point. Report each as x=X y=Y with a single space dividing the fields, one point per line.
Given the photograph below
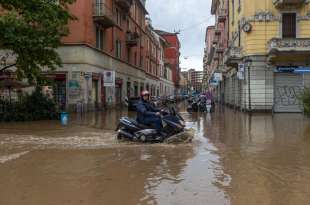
x=305 y=100
x=29 y=108
x=32 y=30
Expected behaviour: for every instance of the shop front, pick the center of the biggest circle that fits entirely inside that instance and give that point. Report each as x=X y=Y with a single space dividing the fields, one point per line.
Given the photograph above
x=289 y=83
x=118 y=91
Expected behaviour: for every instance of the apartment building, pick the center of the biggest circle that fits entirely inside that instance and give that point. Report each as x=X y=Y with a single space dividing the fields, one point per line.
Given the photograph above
x=111 y=53
x=265 y=66
x=172 y=55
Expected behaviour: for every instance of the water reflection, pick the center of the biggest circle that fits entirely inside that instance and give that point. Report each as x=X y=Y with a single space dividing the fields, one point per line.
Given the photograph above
x=235 y=158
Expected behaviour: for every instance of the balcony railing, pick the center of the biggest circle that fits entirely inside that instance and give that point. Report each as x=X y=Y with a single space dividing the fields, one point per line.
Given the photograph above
x=233 y=55
x=124 y=4
x=289 y=3
x=222 y=15
x=132 y=39
x=276 y=45
x=103 y=15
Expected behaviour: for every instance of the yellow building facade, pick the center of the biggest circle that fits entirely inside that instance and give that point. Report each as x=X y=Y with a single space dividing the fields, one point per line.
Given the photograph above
x=267 y=62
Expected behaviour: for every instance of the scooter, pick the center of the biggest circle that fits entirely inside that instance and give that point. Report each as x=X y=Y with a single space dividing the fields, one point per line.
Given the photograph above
x=130 y=129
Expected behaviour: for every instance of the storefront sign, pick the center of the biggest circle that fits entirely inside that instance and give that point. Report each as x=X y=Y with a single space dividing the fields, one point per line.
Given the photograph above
x=74 y=88
x=109 y=78
x=292 y=69
x=285 y=69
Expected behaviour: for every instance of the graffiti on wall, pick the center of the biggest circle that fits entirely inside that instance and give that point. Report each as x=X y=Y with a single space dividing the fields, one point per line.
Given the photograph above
x=287 y=95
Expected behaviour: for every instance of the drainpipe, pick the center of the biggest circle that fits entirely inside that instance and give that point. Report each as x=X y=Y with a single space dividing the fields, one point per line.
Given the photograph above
x=249 y=87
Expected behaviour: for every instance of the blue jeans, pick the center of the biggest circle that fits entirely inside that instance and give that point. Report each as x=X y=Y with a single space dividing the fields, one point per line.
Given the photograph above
x=153 y=121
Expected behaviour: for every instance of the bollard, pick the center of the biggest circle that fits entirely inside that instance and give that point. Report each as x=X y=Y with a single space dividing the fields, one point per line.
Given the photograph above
x=64 y=118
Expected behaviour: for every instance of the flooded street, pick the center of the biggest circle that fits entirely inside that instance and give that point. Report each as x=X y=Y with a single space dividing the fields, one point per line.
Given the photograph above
x=234 y=159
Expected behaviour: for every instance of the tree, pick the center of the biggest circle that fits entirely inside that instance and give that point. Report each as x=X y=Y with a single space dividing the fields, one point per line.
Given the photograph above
x=30 y=32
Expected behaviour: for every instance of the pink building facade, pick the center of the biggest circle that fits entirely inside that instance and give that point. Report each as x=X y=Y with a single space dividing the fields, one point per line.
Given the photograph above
x=216 y=44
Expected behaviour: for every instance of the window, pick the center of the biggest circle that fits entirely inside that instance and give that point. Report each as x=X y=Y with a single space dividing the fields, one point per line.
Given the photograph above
x=99 y=38
x=141 y=61
x=289 y=25
x=128 y=54
x=118 y=49
x=135 y=58
x=118 y=17
x=128 y=25
x=148 y=66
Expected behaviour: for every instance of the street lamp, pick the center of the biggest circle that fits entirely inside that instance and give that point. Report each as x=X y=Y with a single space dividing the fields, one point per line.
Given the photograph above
x=248 y=63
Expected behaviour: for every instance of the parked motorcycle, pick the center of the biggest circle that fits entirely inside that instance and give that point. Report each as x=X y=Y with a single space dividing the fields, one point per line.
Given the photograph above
x=130 y=129
x=209 y=106
x=202 y=106
x=194 y=106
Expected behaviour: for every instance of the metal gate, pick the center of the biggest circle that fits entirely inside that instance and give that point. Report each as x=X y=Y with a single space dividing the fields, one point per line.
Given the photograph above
x=288 y=87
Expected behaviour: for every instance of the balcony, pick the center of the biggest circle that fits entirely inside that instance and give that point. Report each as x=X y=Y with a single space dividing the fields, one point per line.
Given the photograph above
x=124 y=4
x=233 y=56
x=289 y=49
x=222 y=15
x=281 y=4
x=103 y=15
x=132 y=39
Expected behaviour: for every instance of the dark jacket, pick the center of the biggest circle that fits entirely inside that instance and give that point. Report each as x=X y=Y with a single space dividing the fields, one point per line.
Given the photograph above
x=145 y=110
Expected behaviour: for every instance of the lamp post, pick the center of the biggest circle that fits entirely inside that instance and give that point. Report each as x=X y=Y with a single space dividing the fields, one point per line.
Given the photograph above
x=248 y=63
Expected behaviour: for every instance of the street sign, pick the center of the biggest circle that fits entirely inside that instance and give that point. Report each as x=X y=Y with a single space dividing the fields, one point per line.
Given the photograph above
x=241 y=67
x=109 y=78
x=87 y=75
x=240 y=75
x=218 y=77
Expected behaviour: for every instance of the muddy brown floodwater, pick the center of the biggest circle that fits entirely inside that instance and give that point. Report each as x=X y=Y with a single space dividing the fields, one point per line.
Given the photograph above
x=234 y=159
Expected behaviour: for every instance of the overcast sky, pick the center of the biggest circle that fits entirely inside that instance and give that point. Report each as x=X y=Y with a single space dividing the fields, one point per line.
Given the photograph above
x=191 y=17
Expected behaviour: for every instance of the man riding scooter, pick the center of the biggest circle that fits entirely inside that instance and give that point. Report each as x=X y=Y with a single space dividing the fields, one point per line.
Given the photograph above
x=147 y=114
